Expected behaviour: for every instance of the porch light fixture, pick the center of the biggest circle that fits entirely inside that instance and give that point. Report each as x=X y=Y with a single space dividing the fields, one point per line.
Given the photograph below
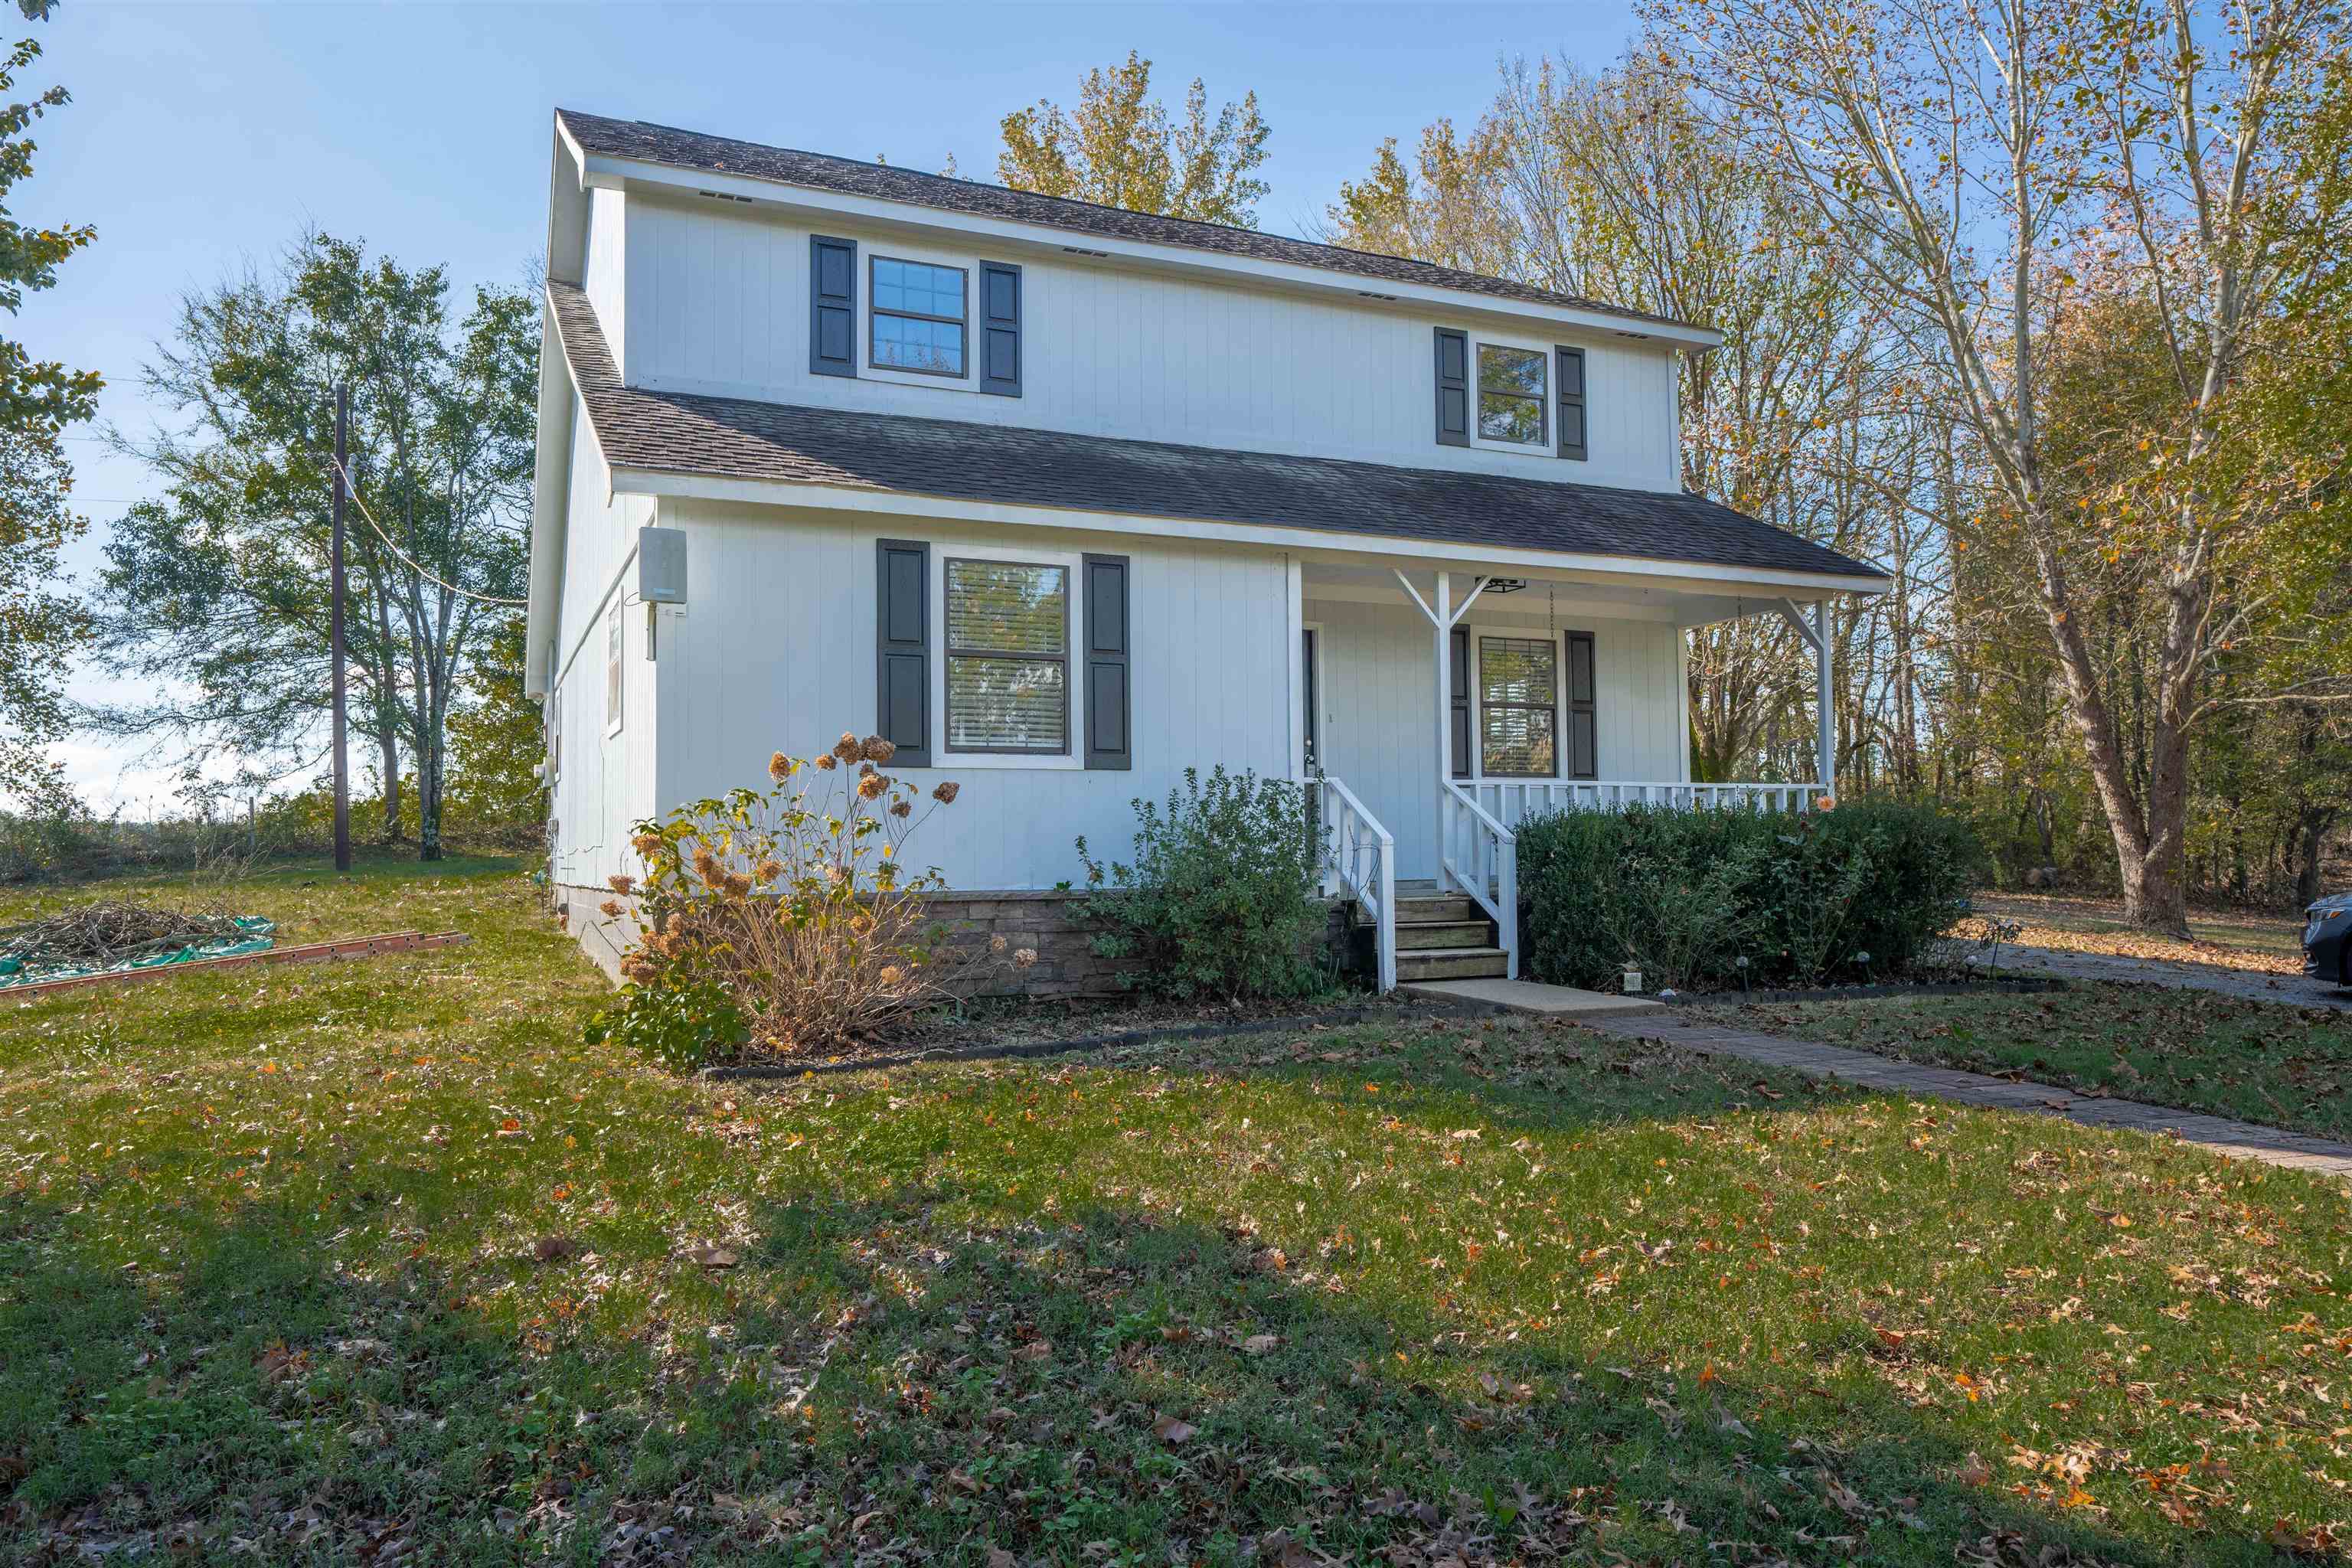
x=1504 y=585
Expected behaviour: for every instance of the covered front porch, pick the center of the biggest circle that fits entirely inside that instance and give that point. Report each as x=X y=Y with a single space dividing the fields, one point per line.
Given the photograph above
x=1437 y=708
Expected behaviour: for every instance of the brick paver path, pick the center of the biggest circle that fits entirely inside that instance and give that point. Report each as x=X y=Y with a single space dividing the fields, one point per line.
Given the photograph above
x=2237 y=1139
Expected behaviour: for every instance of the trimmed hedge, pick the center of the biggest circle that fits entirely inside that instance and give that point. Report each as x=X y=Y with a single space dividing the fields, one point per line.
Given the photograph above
x=1688 y=894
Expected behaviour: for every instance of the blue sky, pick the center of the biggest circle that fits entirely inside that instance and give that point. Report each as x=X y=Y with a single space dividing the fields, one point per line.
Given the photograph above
x=203 y=138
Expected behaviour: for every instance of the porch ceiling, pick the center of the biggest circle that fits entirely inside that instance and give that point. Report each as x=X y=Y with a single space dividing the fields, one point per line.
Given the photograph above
x=1605 y=595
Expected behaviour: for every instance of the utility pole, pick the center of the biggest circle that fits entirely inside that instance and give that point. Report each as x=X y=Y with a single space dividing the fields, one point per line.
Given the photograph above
x=335 y=637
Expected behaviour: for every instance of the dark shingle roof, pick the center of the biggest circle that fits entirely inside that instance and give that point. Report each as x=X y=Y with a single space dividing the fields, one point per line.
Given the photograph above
x=959 y=459
x=650 y=143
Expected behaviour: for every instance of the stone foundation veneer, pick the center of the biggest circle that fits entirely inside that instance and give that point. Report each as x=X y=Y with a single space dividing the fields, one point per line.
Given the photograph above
x=1066 y=964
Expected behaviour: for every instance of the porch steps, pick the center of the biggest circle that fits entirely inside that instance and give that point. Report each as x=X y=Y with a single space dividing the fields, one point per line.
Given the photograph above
x=1445 y=937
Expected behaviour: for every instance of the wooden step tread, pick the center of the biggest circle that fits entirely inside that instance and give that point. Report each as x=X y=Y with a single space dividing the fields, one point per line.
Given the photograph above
x=1443 y=934
x=1451 y=964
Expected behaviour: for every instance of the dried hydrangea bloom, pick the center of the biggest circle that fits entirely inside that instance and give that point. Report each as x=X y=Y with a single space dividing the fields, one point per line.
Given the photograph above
x=871 y=785
x=828 y=761
x=622 y=883
x=996 y=944
x=944 y=791
x=848 y=747
x=647 y=845
x=640 y=971
x=675 y=926
x=1025 y=957
x=893 y=976
x=779 y=767
x=614 y=909
x=879 y=750
x=866 y=769
x=901 y=809
x=770 y=869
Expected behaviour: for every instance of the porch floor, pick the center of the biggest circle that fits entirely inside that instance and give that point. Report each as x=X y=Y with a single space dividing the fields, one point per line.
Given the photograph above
x=1530 y=996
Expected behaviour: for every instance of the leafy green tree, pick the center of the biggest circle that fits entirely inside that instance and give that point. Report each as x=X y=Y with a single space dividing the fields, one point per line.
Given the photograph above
x=218 y=593
x=495 y=740
x=41 y=626
x=1122 y=148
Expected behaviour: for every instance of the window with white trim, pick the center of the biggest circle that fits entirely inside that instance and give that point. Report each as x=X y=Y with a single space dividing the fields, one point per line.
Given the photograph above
x=1008 y=657
x=917 y=319
x=1518 y=707
x=1514 y=385
x=616 y=684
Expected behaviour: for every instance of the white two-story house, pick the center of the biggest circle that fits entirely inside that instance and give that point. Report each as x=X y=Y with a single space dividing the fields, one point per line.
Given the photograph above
x=1064 y=500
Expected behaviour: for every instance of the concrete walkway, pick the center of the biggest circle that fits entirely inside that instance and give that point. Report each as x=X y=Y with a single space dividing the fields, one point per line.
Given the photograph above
x=2235 y=1139
x=1531 y=997
x=2248 y=985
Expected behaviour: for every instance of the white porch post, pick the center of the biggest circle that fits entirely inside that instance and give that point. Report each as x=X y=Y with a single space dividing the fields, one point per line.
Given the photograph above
x=1824 y=699
x=1442 y=621
x=1294 y=627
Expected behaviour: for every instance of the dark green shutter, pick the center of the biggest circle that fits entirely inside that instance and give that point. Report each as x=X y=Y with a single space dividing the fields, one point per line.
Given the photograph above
x=1458 y=662
x=1583 y=735
x=1452 y=388
x=903 y=640
x=1570 y=364
x=833 y=306
x=1109 y=704
x=999 y=329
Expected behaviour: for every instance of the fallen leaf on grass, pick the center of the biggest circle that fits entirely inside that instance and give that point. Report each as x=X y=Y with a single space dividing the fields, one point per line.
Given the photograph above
x=1169 y=1429
x=1260 y=1344
x=554 y=1249
x=712 y=1257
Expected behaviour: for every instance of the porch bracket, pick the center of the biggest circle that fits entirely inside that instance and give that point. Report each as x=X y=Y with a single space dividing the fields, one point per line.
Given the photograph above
x=1406 y=583
x=1793 y=612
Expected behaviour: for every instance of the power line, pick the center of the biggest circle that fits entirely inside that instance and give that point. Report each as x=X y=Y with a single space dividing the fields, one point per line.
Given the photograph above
x=351 y=487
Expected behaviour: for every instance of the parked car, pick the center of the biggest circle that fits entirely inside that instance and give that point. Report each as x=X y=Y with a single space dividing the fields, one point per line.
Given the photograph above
x=2325 y=954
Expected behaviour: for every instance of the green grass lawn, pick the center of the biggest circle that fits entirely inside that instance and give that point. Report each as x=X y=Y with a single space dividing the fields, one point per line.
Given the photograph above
x=304 y=1263
x=2260 y=1061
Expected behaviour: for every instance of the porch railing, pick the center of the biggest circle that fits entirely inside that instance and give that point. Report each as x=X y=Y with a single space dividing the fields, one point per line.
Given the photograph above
x=1359 y=860
x=1479 y=856
x=1512 y=801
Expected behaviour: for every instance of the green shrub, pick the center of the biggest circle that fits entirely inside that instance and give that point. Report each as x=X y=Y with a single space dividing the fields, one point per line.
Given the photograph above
x=1685 y=894
x=684 y=1025
x=1220 y=900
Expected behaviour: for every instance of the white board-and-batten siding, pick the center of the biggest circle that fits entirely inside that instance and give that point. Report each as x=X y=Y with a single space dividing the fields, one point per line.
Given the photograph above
x=604 y=781
x=717 y=302
x=776 y=652
x=1378 y=695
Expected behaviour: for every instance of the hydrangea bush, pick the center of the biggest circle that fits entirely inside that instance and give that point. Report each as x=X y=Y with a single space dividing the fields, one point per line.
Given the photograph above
x=788 y=919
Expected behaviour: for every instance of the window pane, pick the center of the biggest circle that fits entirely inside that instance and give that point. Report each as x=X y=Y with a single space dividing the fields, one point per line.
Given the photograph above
x=902 y=343
x=1517 y=741
x=913 y=286
x=1502 y=418
x=1002 y=607
x=1517 y=371
x=1006 y=704
x=1516 y=669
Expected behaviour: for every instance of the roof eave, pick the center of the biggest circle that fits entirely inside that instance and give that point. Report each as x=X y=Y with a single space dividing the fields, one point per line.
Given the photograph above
x=699 y=484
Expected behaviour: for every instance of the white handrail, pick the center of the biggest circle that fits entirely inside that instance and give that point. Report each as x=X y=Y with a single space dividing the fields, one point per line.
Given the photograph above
x=1513 y=800
x=1361 y=861
x=1480 y=856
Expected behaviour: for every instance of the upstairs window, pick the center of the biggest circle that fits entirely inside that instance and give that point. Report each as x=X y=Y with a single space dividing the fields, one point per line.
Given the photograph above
x=1512 y=391
x=1008 y=648
x=919 y=317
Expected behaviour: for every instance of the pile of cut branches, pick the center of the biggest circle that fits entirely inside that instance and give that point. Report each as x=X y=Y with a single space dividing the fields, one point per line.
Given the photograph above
x=113 y=931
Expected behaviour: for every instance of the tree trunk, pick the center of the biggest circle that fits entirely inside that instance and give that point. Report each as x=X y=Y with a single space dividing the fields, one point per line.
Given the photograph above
x=2310 y=837
x=391 y=786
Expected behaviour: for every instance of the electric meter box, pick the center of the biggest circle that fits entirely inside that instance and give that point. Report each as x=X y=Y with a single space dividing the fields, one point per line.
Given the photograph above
x=661 y=566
